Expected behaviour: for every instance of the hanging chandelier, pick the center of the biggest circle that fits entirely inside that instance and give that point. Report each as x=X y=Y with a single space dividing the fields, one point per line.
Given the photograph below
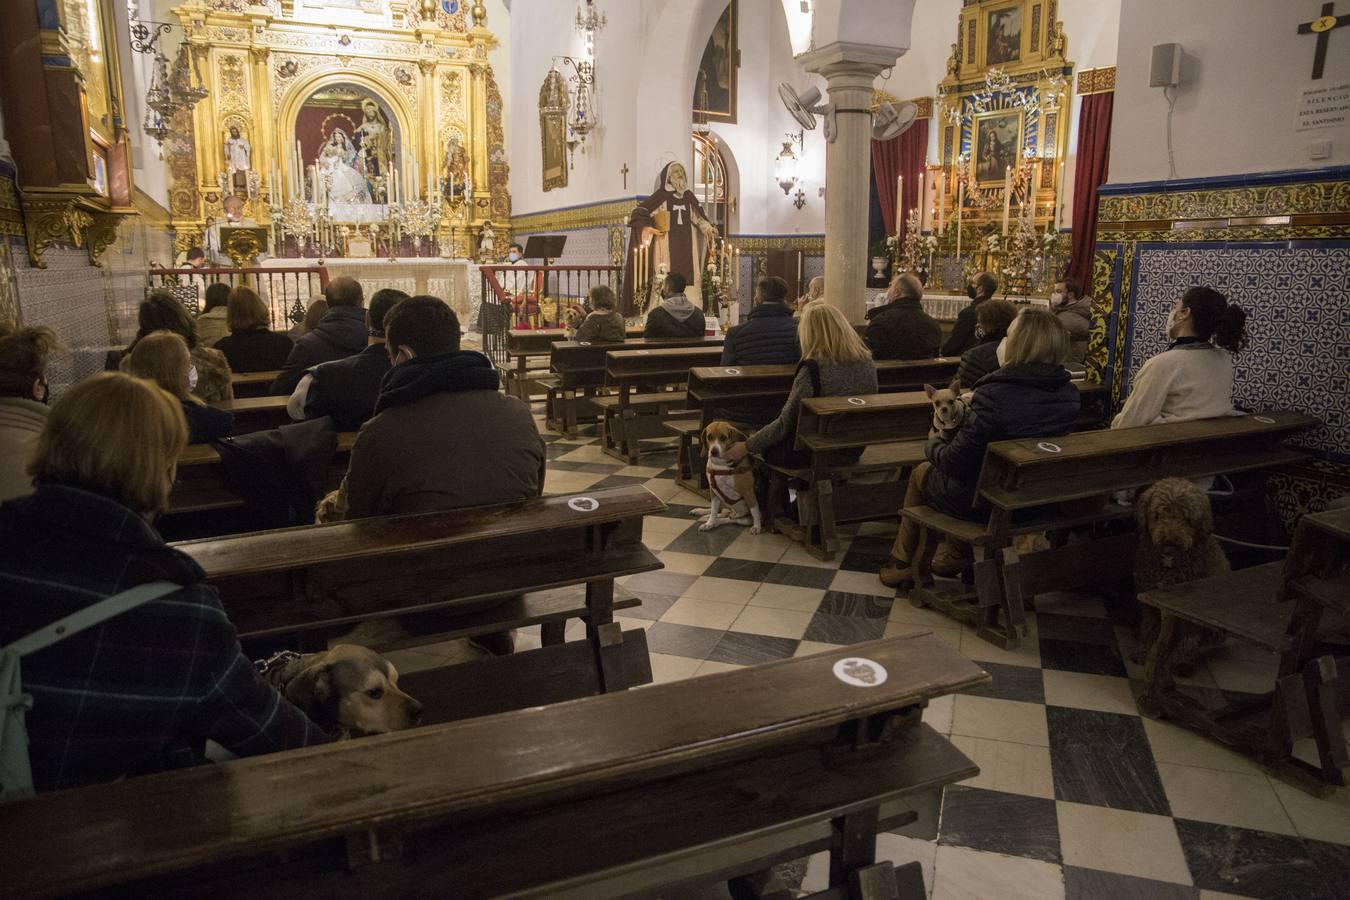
x=172 y=89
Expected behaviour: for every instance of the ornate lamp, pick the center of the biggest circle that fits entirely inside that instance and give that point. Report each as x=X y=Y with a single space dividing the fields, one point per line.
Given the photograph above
x=786 y=164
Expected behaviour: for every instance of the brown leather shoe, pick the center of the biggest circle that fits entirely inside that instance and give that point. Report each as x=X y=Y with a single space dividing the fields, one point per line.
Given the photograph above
x=897 y=574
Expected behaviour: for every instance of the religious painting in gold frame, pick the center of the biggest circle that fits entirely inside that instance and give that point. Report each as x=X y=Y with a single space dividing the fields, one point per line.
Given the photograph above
x=1003 y=35
x=553 y=129
x=715 y=81
x=996 y=144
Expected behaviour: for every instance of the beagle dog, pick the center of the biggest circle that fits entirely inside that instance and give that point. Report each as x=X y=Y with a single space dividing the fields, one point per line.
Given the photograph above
x=732 y=483
x=347 y=689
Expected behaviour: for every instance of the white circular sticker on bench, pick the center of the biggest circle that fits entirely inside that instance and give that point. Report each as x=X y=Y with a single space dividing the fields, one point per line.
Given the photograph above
x=583 y=343
x=1048 y=447
x=860 y=672
x=643 y=352
x=857 y=401
x=1266 y=419
x=584 y=504
x=733 y=371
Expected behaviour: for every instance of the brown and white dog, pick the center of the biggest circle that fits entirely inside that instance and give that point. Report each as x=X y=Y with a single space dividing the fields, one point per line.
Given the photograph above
x=347 y=688
x=573 y=316
x=949 y=409
x=732 y=483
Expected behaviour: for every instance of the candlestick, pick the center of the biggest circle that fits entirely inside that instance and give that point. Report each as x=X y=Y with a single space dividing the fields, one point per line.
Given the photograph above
x=1007 y=196
x=1059 y=201
x=1035 y=188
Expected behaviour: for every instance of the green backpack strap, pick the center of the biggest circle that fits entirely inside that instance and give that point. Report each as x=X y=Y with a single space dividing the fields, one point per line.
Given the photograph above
x=16 y=774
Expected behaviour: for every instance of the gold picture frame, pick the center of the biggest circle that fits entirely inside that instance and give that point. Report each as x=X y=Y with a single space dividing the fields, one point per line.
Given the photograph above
x=990 y=151
x=1003 y=37
x=721 y=61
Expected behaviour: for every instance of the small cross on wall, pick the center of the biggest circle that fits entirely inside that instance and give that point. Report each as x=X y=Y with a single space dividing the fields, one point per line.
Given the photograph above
x=1322 y=27
x=624 y=173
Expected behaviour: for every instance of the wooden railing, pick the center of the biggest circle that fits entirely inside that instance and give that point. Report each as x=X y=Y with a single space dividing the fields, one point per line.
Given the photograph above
x=527 y=296
x=286 y=290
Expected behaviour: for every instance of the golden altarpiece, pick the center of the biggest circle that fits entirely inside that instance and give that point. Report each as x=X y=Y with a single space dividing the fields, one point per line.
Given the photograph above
x=391 y=98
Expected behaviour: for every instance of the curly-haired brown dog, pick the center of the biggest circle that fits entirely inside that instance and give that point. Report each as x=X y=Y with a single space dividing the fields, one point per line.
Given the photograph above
x=1176 y=544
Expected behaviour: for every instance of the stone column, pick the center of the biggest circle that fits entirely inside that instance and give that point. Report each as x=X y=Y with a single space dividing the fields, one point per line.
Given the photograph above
x=849 y=70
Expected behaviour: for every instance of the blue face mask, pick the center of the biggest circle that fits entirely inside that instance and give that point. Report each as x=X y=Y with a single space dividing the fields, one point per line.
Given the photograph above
x=513 y=256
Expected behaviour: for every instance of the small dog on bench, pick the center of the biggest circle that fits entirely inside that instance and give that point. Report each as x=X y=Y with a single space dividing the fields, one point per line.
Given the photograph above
x=732 y=483
x=949 y=409
x=348 y=689
x=573 y=316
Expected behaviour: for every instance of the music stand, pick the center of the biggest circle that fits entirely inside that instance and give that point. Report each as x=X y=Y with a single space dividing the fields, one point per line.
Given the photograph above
x=546 y=247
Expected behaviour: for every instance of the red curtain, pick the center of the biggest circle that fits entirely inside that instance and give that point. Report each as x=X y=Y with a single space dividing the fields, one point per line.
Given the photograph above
x=1094 y=152
x=904 y=155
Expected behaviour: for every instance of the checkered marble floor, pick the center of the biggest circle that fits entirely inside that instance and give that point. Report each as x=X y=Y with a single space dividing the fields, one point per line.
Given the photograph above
x=1078 y=795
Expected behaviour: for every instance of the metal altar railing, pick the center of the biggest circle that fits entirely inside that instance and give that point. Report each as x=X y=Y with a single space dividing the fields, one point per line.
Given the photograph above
x=527 y=296
x=286 y=290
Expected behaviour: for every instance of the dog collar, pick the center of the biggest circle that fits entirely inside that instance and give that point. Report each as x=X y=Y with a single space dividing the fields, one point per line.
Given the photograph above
x=276 y=661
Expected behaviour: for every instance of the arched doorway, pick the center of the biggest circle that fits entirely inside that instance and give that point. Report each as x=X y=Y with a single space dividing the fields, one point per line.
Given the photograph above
x=715 y=180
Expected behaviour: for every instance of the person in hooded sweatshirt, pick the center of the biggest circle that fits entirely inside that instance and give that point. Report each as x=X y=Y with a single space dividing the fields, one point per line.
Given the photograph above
x=675 y=317
x=341 y=333
x=443 y=436
x=1030 y=396
x=1075 y=314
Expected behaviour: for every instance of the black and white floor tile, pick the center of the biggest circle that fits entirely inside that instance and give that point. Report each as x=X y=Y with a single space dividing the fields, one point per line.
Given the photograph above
x=1078 y=795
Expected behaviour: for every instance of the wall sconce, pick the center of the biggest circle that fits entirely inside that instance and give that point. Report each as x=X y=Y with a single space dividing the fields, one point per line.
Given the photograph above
x=582 y=115
x=785 y=166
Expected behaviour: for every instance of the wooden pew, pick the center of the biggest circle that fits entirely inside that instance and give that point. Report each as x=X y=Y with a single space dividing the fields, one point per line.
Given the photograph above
x=891 y=431
x=202 y=484
x=317 y=581
x=252 y=384
x=713 y=387
x=580 y=368
x=525 y=346
x=651 y=792
x=1055 y=484
x=1282 y=608
x=647 y=389
x=256 y=413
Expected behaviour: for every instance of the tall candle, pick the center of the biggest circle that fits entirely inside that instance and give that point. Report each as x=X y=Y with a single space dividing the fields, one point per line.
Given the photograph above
x=942 y=198
x=923 y=198
x=1007 y=196
x=1035 y=189
x=960 y=203
x=899 y=205
x=1059 y=201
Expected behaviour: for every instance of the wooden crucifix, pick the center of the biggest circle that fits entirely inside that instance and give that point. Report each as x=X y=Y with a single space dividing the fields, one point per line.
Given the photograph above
x=1322 y=27
x=624 y=173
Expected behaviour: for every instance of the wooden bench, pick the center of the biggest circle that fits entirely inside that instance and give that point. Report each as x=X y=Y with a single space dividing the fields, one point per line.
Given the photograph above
x=580 y=368
x=314 y=582
x=528 y=346
x=891 y=431
x=1282 y=608
x=202 y=484
x=1052 y=485
x=651 y=792
x=647 y=389
x=256 y=413
x=252 y=384
x=712 y=388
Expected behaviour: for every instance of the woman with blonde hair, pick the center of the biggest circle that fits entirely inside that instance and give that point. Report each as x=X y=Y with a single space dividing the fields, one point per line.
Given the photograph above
x=23 y=403
x=252 y=345
x=161 y=312
x=314 y=313
x=1030 y=396
x=835 y=362
x=162 y=357
x=144 y=690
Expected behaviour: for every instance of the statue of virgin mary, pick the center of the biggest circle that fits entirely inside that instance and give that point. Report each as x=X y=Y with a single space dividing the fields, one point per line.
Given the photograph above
x=337 y=165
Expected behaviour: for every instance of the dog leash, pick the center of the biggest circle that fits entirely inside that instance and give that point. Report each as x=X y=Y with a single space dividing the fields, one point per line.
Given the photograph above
x=276 y=661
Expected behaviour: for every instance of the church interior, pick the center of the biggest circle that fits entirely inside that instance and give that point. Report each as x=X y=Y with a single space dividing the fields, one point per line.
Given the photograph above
x=675 y=448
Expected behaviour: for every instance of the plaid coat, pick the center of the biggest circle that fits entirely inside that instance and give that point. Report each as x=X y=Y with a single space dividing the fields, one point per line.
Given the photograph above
x=145 y=690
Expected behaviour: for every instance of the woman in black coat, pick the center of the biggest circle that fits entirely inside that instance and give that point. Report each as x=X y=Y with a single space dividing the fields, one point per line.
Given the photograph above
x=1030 y=396
x=251 y=345
x=993 y=317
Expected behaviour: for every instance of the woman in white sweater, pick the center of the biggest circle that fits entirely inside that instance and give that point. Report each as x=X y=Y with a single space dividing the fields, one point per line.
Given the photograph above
x=1193 y=377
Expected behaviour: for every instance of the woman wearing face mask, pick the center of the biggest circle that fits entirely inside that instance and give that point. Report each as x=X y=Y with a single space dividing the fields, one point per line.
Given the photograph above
x=161 y=312
x=162 y=357
x=23 y=403
x=992 y=318
x=1193 y=377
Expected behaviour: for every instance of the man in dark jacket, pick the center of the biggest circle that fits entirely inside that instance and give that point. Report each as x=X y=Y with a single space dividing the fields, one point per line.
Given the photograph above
x=340 y=333
x=769 y=335
x=962 y=338
x=347 y=388
x=443 y=436
x=901 y=329
x=675 y=317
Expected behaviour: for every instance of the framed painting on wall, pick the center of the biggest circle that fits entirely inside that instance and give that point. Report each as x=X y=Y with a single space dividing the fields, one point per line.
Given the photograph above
x=715 y=82
x=997 y=145
x=1003 y=39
